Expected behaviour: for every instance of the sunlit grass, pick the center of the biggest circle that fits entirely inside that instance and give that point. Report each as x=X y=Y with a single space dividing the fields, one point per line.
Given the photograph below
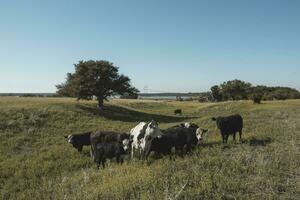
x=37 y=163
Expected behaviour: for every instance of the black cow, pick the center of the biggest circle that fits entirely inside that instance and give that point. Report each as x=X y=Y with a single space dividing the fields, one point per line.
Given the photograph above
x=79 y=140
x=229 y=126
x=182 y=136
x=106 y=136
x=108 y=150
x=178 y=112
x=161 y=145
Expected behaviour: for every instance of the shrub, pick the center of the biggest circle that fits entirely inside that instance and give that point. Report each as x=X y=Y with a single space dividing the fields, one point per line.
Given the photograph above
x=257 y=98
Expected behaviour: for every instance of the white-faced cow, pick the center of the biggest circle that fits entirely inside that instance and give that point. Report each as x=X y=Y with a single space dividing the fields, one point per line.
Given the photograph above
x=79 y=140
x=136 y=136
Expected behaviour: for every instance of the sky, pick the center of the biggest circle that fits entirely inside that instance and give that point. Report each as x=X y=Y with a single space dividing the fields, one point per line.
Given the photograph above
x=164 y=46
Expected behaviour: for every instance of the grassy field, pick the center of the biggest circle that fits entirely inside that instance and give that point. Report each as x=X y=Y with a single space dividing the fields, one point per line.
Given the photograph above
x=37 y=163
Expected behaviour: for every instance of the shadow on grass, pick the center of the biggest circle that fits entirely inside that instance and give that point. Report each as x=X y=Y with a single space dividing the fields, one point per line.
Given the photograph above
x=259 y=142
x=113 y=112
x=253 y=141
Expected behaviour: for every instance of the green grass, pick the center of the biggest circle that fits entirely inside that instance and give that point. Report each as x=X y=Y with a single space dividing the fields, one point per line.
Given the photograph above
x=37 y=163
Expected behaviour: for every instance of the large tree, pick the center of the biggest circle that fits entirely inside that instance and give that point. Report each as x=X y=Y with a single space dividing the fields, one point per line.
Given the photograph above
x=216 y=93
x=235 y=90
x=96 y=78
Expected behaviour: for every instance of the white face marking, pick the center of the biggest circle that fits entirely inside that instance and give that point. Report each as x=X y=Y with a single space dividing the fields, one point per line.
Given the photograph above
x=125 y=144
x=70 y=137
x=200 y=133
x=187 y=125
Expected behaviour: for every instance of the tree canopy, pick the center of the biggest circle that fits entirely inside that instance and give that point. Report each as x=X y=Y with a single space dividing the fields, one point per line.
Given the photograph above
x=95 y=78
x=240 y=90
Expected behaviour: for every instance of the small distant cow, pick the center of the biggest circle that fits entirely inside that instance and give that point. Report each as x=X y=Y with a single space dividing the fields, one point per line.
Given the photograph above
x=229 y=126
x=178 y=112
x=79 y=140
x=108 y=150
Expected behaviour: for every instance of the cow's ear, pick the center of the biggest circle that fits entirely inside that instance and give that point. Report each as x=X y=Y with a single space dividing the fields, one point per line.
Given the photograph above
x=214 y=119
x=205 y=130
x=66 y=136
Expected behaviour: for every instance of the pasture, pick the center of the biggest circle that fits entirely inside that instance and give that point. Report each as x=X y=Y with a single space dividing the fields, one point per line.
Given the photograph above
x=36 y=162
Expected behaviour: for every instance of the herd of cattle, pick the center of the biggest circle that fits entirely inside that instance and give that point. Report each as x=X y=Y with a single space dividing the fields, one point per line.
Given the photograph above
x=148 y=137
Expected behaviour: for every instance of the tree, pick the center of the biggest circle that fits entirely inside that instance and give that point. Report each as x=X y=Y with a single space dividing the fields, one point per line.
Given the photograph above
x=67 y=89
x=216 y=93
x=96 y=78
x=235 y=90
x=256 y=98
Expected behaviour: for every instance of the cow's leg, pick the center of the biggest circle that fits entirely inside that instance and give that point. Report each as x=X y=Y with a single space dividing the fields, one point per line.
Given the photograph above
x=226 y=138
x=240 y=132
x=234 y=137
x=132 y=149
x=79 y=149
x=92 y=153
x=103 y=163
x=118 y=159
x=188 y=148
x=223 y=138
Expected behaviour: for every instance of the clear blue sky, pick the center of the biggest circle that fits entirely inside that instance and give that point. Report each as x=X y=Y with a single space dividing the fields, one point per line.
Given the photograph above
x=170 y=46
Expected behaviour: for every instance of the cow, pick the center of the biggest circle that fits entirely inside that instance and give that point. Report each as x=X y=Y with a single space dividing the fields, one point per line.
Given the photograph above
x=136 y=135
x=182 y=137
x=79 y=140
x=185 y=135
x=177 y=112
x=229 y=125
x=108 y=150
x=200 y=134
x=161 y=145
x=107 y=136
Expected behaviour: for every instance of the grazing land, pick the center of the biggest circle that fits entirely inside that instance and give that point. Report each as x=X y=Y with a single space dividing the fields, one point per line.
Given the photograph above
x=37 y=163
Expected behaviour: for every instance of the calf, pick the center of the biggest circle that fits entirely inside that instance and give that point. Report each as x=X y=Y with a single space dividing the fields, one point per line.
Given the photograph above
x=229 y=126
x=106 y=136
x=108 y=150
x=79 y=140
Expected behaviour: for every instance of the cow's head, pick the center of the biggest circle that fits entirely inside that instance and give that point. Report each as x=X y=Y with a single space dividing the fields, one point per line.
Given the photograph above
x=69 y=138
x=127 y=144
x=152 y=130
x=72 y=140
x=200 y=134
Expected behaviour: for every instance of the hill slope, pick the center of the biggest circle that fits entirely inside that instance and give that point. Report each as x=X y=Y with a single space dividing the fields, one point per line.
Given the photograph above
x=37 y=163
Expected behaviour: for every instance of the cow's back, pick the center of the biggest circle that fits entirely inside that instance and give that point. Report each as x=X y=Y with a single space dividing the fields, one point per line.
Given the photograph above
x=231 y=124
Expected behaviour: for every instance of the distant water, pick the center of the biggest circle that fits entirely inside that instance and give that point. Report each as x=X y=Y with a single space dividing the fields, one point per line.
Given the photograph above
x=163 y=97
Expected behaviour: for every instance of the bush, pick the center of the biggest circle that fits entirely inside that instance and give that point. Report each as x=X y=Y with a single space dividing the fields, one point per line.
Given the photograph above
x=257 y=98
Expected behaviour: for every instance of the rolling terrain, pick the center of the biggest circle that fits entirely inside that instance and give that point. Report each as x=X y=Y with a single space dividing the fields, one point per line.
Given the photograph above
x=37 y=163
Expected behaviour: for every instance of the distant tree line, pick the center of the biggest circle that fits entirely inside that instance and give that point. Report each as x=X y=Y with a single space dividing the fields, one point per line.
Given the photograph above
x=240 y=90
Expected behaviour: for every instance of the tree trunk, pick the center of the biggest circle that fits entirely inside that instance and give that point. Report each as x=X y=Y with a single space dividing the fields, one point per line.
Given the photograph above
x=100 y=103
